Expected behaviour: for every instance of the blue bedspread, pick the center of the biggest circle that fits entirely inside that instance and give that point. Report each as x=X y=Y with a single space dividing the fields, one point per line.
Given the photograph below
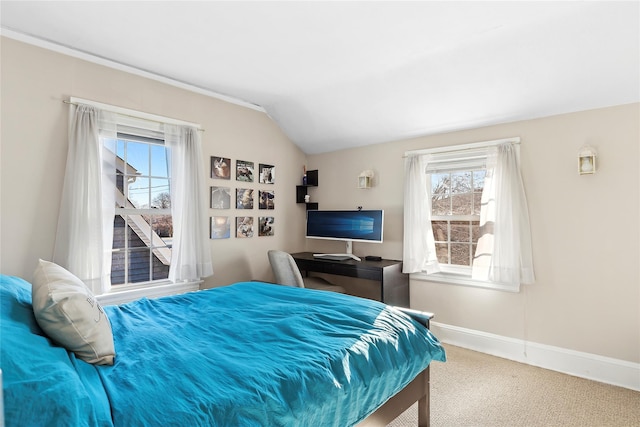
x=43 y=384
x=255 y=354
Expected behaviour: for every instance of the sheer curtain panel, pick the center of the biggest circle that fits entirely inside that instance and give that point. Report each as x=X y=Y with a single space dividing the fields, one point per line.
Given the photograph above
x=419 y=249
x=191 y=255
x=504 y=255
x=85 y=222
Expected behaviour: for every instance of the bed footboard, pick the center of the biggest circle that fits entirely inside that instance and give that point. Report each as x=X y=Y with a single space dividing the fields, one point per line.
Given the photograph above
x=416 y=391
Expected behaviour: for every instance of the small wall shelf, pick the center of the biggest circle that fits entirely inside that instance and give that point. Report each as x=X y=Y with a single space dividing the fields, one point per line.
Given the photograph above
x=301 y=190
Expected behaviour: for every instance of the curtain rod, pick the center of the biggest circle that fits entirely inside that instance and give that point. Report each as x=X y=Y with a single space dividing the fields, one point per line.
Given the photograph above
x=132 y=113
x=462 y=147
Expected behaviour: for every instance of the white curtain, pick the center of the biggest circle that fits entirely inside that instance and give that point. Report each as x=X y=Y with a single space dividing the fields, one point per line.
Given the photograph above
x=419 y=249
x=504 y=253
x=85 y=222
x=191 y=254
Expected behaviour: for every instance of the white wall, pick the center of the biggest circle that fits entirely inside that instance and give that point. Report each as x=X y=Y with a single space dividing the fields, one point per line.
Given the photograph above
x=34 y=147
x=585 y=231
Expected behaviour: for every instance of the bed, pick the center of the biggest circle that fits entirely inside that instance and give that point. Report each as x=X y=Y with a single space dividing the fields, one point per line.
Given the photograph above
x=247 y=354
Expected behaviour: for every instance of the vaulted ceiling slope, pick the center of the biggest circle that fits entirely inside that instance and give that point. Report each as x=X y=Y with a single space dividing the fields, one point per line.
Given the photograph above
x=336 y=75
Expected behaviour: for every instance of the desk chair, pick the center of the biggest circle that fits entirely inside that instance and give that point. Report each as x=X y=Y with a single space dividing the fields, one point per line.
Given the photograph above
x=287 y=273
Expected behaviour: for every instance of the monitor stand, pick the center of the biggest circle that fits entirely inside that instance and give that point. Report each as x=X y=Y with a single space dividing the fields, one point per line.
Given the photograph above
x=340 y=257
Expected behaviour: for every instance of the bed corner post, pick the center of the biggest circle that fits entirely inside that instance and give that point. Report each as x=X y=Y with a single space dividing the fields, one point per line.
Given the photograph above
x=424 y=409
x=424 y=405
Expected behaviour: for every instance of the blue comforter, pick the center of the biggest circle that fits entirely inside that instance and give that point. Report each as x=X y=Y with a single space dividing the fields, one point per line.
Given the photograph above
x=248 y=354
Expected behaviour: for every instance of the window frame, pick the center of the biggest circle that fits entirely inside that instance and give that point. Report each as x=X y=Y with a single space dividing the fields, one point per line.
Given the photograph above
x=450 y=217
x=152 y=137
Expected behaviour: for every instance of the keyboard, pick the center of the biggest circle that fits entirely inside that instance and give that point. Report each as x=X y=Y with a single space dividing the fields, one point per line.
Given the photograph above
x=332 y=257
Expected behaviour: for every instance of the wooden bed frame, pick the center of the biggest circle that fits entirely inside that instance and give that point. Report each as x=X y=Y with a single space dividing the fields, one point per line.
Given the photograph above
x=416 y=391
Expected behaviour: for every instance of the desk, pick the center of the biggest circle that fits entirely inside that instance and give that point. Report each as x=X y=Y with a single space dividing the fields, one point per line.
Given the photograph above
x=393 y=283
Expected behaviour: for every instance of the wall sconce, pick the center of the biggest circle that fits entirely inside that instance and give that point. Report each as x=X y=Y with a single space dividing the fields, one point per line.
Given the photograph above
x=365 y=179
x=587 y=161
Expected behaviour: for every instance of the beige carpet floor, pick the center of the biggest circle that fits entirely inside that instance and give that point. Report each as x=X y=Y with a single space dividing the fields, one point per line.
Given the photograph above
x=474 y=389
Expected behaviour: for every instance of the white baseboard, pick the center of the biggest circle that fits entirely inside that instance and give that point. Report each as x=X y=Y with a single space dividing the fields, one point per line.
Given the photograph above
x=585 y=365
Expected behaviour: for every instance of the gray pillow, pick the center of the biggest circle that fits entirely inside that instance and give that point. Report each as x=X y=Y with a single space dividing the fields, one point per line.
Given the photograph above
x=68 y=313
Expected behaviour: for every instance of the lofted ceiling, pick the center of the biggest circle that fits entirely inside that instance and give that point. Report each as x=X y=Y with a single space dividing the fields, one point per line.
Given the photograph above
x=336 y=75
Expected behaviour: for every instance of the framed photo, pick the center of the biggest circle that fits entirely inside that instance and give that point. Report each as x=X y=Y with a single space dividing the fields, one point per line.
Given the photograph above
x=220 y=167
x=244 y=198
x=244 y=227
x=220 y=197
x=265 y=226
x=266 y=199
x=267 y=174
x=220 y=227
x=244 y=171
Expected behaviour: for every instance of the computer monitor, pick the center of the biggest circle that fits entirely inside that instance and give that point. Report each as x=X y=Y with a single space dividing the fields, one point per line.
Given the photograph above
x=345 y=225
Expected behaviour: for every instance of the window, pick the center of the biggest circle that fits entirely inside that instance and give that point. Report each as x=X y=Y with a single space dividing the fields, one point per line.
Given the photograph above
x=465 y=216
x=455 y=215
x=455 y=181
x=143 y=226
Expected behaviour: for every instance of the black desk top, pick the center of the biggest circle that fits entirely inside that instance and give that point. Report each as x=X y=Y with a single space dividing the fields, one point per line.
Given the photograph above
x=308 y=256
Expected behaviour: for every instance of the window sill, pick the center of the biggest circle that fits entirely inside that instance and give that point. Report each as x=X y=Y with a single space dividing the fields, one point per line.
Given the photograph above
x=463 y=280
x=120 y=295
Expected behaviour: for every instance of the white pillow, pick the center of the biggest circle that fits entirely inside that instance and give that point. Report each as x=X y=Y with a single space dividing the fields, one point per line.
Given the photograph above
x=68 y=313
